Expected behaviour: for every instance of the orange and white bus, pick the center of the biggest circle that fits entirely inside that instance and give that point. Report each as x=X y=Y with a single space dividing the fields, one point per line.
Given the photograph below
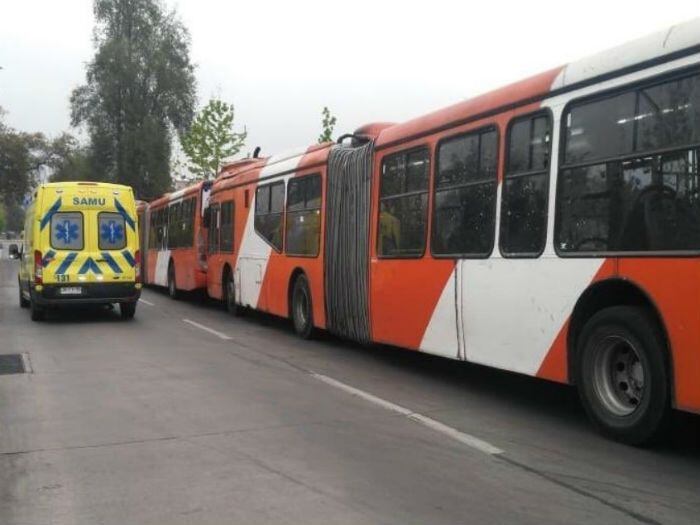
x=549 y=228
x=173 y=239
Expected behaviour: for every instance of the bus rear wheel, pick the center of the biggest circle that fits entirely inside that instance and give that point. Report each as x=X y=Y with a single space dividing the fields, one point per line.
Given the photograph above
x=229 y=289
x=302 y=312
x=172 y=284
x=622 y=375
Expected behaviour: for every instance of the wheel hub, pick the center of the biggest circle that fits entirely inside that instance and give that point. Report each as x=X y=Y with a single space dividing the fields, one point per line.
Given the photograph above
x=619 y=380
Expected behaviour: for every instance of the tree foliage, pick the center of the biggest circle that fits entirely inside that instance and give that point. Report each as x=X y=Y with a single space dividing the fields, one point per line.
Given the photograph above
x=140 y=87
x=69 y=160
x=211 y=139
x=22 y=156
x=328 y=122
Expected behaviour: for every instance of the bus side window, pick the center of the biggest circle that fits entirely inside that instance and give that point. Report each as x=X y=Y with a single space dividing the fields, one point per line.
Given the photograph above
x=269 y=212
x=526 y=187
x=465 y=195
x=403 y=204
x=630 y=171
x=303 y=215
x=226 y=226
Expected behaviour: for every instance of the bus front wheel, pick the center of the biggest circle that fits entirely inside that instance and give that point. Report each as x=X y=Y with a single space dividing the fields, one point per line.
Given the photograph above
x=622 y=376
x=302 y=312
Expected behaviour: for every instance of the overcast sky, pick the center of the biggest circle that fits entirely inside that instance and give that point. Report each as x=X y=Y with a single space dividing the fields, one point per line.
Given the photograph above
x=281 y=62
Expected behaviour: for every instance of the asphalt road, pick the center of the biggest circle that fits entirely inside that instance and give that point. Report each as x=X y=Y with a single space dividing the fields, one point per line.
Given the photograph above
x=189 y=416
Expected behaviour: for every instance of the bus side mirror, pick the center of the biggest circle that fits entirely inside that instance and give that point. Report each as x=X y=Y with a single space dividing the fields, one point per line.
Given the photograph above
x=14 y=252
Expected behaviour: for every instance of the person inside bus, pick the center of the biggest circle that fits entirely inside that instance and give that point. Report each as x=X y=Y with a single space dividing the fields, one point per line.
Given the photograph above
x=389 y=230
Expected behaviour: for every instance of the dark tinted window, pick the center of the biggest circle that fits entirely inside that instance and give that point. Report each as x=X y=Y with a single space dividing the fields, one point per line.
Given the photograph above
x=669 y=115
x=227 y=228
x=600 y=129
x=646 y=204
x=403 y=206
x=644 y=201
x=180 y=232
x=526 y=187
x=303 y=215
x=214 y=228
x=465 y=195
x=269 y=213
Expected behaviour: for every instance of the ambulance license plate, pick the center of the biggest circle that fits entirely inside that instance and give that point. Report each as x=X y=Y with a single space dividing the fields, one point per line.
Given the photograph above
x=71 y=290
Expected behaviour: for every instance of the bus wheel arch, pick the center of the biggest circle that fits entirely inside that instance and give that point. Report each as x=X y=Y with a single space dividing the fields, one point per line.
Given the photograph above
x=300 y=304
x=619 y=358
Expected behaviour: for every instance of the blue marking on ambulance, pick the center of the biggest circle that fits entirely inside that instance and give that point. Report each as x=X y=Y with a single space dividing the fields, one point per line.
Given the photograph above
x=111 y=262
x=89 y=266
x=48 y=258
x=124 y=214
x=50 y=213
x=66 y=263
x=129 y=258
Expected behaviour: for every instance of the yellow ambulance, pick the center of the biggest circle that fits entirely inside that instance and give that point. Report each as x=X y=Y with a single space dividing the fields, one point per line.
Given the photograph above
x=80 y=246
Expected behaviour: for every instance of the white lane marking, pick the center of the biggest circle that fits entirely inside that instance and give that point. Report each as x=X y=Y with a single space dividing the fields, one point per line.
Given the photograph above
x=27 y=363
x=149 y=303
x=218 y=334
x=464 y=438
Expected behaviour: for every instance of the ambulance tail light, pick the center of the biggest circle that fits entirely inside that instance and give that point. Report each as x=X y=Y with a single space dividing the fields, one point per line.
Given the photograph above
x=38 y=267
x=137 y=266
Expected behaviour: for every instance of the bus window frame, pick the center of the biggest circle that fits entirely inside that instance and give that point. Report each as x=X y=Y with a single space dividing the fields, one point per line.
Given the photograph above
x=491 y=126
x=283 y=213
x=426 y=236
x=544 y=111
x=319 y=209
x=644 y=83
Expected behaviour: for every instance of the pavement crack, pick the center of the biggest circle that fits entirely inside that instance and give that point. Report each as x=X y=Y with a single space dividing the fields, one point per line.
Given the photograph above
x=183 y=437
x=569 y=486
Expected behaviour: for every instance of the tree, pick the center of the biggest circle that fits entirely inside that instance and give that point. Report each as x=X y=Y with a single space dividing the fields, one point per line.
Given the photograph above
x=211 y=139
x=69 y=160
x=327 y=125
x=140 y=88
x=22 y=157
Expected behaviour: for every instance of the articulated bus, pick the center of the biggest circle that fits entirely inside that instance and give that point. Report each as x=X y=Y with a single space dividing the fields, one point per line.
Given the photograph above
x=173 y=239
x=549 y=228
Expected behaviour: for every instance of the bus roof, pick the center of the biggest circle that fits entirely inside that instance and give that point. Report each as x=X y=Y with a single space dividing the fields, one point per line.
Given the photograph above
x=675 y=42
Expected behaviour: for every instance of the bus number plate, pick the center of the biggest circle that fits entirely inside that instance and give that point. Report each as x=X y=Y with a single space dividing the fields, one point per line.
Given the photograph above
x=71 y=290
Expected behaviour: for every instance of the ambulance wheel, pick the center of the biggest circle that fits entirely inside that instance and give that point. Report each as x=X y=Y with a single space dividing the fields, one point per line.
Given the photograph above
x=622 y=375
x=172 y=285
x=302 y=312
x=127 y=310
x=36 y=312
x=23 y=303
x=229 y=289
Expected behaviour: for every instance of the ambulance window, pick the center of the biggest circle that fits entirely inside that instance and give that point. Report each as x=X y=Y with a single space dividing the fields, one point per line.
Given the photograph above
x=112 y=231
x=67 y=231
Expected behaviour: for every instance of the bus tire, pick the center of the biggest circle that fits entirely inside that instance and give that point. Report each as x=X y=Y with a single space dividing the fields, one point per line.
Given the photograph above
x=622 y=375
x=172 y=283
x=229 y=290
x=36 y=312
x=23 y=303
x=127 y=310
x=302 y=309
